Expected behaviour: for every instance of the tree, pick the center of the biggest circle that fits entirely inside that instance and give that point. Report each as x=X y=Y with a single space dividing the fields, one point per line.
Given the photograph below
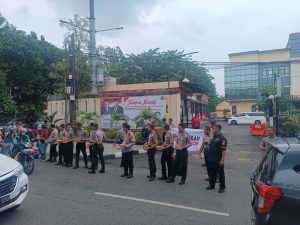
x=77 y=26
x=7 y=104
x=214 y=100
x=264 y=101
x=26 y=61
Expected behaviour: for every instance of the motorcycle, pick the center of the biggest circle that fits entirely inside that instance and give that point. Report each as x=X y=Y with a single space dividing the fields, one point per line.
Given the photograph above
x=23 y=153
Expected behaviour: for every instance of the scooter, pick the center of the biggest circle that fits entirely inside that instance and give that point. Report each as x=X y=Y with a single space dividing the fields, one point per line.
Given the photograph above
x=23 y=153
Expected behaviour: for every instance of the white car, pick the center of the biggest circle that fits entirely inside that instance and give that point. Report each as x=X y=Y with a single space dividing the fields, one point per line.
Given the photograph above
x=248 y=118
x=14 y=183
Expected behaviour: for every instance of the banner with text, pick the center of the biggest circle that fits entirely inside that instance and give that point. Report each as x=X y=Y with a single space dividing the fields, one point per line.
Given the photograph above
x=131 y=108
x=196 y=137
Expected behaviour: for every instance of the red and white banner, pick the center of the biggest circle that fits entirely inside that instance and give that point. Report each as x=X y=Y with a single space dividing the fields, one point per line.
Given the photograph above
x=196 y=138
x=131 y=107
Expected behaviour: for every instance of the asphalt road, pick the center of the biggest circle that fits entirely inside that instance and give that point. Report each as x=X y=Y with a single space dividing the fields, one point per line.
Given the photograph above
x=69 y=197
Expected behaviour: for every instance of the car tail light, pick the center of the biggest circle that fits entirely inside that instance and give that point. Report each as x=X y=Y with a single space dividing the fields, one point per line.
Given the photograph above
x=268 y=196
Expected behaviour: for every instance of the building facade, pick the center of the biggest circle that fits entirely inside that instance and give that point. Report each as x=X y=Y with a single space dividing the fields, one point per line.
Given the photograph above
x=251 y=71
x=182 y=100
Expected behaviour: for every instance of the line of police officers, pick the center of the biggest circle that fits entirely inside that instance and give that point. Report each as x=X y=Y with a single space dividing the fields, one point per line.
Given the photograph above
x=172 y=163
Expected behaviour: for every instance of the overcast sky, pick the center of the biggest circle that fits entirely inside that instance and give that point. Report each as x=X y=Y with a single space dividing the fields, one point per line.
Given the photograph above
x=215 y=28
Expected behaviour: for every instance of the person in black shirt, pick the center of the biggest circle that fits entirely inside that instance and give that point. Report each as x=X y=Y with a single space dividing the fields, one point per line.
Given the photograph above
x=215 y=159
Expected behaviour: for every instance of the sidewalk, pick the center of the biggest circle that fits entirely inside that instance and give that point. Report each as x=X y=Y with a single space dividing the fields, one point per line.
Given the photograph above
x=109 y=151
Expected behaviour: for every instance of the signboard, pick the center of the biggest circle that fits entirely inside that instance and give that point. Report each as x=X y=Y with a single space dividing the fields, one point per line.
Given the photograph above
x=131 y=108
x=196 y=137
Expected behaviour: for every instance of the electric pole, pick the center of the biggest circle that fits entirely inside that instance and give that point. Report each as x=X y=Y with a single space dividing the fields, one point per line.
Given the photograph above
x=92 y=46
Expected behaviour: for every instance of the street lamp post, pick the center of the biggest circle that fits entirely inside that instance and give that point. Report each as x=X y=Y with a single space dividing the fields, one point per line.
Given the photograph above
x=277 y=100
x=92 y=45
x=271 y=99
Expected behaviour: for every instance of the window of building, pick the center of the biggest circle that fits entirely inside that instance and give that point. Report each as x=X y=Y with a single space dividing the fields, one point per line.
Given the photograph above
x=233 y=110
x=253 y=108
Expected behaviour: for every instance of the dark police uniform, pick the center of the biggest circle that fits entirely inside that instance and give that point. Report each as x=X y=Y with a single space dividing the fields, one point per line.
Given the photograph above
x=61 y=149
x=69 y=148
x=181 y=158
x=81 y=147
x=166 y=156
x=129 y=140
x=97 y=150
x=152 y=140
x=217 y=145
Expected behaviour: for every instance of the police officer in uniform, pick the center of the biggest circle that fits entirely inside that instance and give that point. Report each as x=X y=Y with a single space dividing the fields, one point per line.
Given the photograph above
x=127 y=151
x=181 y=158
x=215 y=159
x=120 y=139
x=166 y=156
x=69 y=145
x=90 y=146
x=82 y=136
x=151 y=150
x=96 y=141
x=61 y=146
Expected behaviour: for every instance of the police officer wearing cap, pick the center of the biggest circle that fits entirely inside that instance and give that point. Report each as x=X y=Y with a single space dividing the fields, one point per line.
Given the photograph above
x=82 y=137
x=215 y=159
x=127 y=151
x=120 y=139
x=166 y=155
x=181 y=158
x=151 y=150
x=96 y=141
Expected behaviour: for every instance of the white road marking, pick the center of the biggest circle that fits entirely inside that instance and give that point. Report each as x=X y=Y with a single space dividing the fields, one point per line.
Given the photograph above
x=163 y=204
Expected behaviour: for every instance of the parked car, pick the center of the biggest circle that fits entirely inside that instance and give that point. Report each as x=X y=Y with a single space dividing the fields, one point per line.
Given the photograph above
x=275 y=185
x=14 y=183
x=247 y=118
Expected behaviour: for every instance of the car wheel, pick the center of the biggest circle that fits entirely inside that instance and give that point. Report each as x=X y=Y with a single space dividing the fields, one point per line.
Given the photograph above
x=233 y=122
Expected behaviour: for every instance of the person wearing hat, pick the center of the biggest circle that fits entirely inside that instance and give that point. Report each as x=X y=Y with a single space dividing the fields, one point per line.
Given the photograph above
x=127 y=151
x=151 y=150
x=61 y=146
x=166 y=155
x=82 y=136
x=119 y=139
x=96 y=141
x=181 y=159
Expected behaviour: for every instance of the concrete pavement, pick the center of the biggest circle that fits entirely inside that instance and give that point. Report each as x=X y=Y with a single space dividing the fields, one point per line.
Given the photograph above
x=65 y=196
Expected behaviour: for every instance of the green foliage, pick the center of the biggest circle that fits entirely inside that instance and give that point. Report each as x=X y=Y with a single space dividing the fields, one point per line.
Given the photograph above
x=155 y=66
x=143 y=115
x=111 y=134
x=115 y=118
x=51 y=119
x=76 y=26
x=264 y=101
x=214 y=100
x=7 y=104
x=293 y=124
x=88 y=117
x=138 y=137
x=25 y=62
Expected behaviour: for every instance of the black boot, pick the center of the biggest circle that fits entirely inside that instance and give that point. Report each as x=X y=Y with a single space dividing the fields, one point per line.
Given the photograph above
x=163 y=177
x=124 y=174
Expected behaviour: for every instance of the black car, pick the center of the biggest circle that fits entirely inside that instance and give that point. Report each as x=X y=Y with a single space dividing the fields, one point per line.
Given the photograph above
x=275 y=183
